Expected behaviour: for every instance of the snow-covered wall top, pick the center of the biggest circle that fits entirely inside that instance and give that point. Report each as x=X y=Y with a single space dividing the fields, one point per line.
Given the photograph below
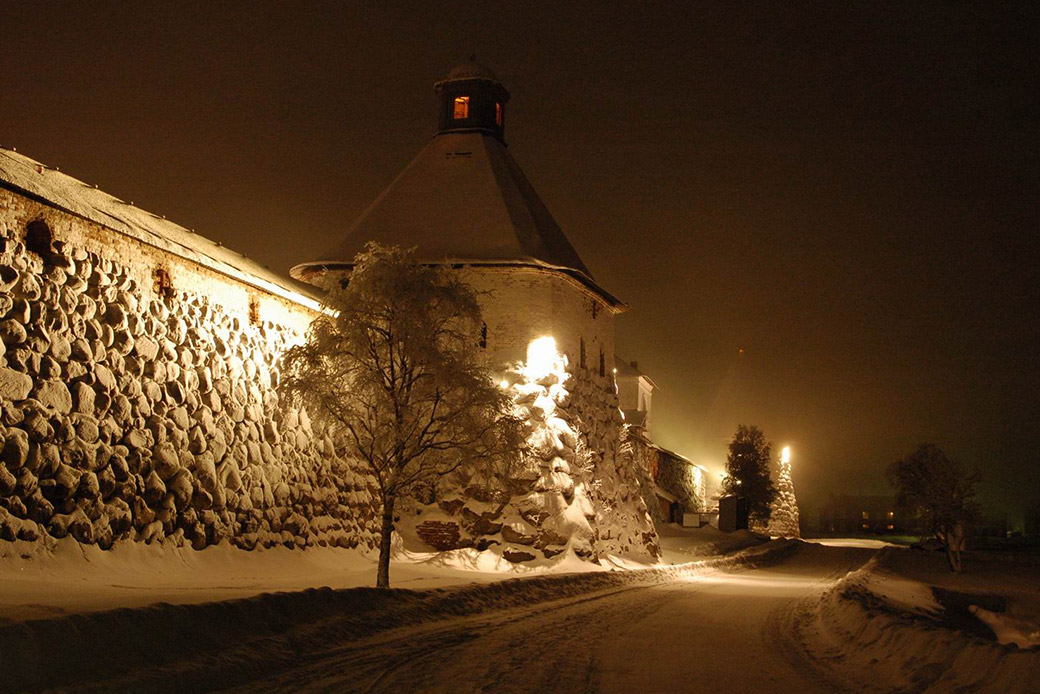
x=21 y=174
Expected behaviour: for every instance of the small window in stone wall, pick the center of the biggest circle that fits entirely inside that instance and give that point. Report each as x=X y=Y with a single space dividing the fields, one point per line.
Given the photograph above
x=38 y=238
x=483 y=336
x=581 y=353
x=602 y=363
x=254 y=311
x=595 y=309
x=163 y=283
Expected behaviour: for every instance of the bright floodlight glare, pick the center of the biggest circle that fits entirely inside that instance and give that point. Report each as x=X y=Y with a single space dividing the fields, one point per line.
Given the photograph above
x=785 y=454
x=541 y=357
x=504 y=384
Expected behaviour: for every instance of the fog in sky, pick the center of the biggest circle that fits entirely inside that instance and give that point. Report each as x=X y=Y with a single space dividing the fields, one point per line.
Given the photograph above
x=847 y=191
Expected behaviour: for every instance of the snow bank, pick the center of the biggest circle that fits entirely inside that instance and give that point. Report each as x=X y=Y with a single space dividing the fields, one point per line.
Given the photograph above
x=680 y=545
x=906 y=635
x=191 y=647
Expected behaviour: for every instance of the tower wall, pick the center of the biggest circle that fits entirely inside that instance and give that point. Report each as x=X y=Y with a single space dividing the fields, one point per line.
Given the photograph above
x=520 y=304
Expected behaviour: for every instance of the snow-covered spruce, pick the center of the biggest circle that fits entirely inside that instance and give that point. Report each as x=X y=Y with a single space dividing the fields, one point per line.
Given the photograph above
x=783 y=516
x=571 y=490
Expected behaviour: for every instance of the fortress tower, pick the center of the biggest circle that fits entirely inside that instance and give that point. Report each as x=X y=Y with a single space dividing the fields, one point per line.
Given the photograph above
x=465 y=202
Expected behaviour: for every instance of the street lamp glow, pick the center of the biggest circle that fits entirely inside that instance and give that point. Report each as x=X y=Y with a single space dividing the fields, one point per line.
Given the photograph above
x=785 y=455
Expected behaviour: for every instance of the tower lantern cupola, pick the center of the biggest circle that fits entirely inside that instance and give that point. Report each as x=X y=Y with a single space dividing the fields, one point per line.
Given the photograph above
x=472 y=100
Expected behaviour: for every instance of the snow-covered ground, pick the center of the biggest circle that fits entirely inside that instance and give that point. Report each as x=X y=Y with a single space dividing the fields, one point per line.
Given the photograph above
x=779 y=616
x=862 y=543
x=40 y=580
x=679 y=545
x=263 y=640
x=903 y=622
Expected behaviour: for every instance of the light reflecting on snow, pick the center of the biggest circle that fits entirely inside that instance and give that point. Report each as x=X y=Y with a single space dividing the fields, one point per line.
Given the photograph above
x=772 y=584
x=857 y=542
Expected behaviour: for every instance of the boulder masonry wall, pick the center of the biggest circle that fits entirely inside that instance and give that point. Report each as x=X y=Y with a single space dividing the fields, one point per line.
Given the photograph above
x=138 y=397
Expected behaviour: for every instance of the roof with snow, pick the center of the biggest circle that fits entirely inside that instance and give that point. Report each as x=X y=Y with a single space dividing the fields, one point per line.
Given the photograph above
x=463 y=200
x=29 y=177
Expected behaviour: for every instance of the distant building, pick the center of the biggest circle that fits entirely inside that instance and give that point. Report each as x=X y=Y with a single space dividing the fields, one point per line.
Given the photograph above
x=862 y=514
x=674 y=484
x=635 y=392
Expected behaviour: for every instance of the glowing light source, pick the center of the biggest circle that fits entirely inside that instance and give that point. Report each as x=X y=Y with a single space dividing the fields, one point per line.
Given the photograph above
x=461 y=109
x=503 y=384
x=542 y=358
x=785 y=455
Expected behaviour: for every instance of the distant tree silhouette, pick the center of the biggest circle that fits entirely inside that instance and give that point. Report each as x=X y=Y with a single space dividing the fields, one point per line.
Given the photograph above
x=748 y=474
x=931 y=487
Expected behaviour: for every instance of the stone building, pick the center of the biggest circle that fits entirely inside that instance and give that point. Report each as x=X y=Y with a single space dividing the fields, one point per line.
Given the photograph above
x=465 y=203
x=635 y=393
x=673 y=485
x=863 y=513
x=139 y=366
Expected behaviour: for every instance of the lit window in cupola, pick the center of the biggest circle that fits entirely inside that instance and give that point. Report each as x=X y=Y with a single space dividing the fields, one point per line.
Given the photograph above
x=461 y=107
x=498 y=114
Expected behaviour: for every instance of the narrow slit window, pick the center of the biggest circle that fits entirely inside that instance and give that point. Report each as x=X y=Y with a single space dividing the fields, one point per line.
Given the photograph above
x=602 y=364
x=254 y=311
x=461 y=107
x=581 y=353
x=163 y=283
x=498 y=114
x=483 y=336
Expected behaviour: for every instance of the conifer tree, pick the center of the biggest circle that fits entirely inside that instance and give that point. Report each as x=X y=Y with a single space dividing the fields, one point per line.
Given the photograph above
x=748 y=475
x=783 y=520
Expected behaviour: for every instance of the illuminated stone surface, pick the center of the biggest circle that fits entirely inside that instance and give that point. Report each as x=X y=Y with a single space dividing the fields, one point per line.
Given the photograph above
x=138 y=409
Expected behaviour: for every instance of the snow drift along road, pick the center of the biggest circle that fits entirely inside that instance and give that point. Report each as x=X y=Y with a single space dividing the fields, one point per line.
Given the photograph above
x=877 y=630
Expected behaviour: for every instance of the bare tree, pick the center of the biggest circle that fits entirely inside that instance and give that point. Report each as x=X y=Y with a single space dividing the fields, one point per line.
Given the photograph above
x=394 y=368
x=930 y=485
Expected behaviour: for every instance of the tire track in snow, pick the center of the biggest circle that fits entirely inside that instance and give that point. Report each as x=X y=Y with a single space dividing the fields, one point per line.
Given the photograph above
x=404 y=661
x=229 y=644
x=548 y=647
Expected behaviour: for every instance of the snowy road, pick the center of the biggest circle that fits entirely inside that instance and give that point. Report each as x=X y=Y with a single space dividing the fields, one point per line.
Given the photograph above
x=725 y=631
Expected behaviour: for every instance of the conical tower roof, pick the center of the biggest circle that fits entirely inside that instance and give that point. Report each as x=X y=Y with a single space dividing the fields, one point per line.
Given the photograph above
x=463 y=199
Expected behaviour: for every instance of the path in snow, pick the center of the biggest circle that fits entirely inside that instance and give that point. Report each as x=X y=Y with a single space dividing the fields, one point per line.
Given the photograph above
x=717 y=632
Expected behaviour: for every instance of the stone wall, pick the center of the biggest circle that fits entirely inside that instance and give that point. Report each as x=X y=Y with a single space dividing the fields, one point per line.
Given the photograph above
x=138 y=398
x=520 y=304
x=642 y=456
x=657 y=467
x=683 y=479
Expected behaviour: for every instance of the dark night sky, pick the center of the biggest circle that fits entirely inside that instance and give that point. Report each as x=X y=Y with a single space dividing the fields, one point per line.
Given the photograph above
x=848 y=191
